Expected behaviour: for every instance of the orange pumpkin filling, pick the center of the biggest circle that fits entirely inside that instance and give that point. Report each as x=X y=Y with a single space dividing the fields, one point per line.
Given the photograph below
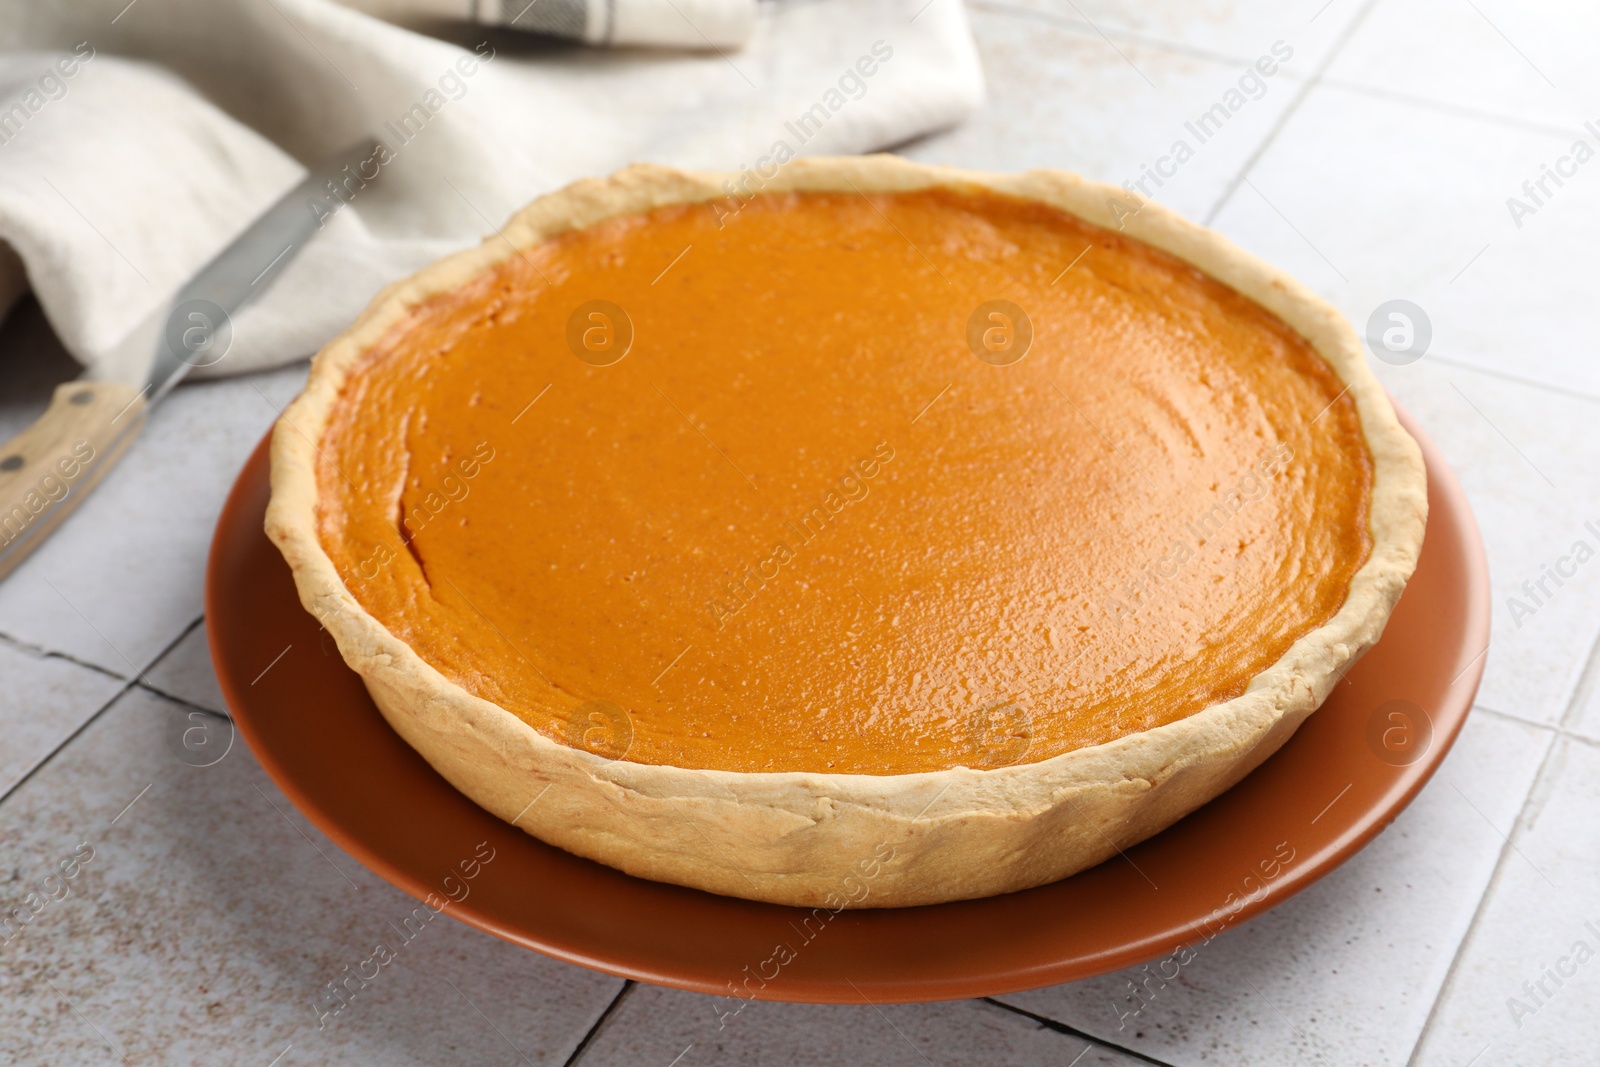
x=845 y=483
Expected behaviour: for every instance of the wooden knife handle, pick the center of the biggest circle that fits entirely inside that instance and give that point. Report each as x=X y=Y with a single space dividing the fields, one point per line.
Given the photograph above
x=47 y=469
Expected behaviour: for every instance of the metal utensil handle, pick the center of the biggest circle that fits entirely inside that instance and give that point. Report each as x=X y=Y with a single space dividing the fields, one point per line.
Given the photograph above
x=49 y=468
x=251 y=262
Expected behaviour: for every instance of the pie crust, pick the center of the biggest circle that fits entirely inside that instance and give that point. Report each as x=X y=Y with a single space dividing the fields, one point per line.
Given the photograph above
x=825 y=840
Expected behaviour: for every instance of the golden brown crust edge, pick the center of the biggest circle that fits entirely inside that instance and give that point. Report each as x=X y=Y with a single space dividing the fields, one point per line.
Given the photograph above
x=843 y=840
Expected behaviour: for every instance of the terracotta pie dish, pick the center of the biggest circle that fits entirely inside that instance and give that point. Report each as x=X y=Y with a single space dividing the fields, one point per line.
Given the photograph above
x=883 y=535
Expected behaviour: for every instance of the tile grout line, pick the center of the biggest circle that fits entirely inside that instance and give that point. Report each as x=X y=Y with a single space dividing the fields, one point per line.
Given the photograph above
x=1071 y=1031
x=40 y=652
x=1559 y=738
x=1584 y=688
x=1507 y=847
x=80 y=728
x=127 y=685
x=1459 y=110
x=183 y=702
x=1311 y=82
x=1533 y=724
x=594 y=1030
x=1228 y=59
x=1532 y=383
x=1082 y=28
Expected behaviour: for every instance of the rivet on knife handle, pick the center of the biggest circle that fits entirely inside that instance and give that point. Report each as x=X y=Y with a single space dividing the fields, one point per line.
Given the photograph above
x=51 y=466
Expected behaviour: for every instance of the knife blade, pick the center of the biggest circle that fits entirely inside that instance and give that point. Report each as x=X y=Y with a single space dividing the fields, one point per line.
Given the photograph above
x=47 y=469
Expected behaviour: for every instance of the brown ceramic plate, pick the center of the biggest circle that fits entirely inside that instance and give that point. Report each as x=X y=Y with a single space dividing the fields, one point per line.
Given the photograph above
x=1340 y=780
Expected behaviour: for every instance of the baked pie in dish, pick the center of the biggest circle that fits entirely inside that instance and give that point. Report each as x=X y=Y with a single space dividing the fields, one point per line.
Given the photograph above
x=874 y=535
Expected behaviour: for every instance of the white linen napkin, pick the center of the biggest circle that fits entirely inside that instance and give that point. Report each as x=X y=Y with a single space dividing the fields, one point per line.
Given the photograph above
x=136 y=139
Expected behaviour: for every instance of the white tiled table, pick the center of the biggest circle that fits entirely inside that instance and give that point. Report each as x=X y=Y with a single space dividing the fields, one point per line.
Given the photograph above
x=1375 y=165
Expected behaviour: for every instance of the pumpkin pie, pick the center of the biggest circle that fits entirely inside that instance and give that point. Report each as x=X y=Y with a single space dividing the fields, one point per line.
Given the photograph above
x=869 y=534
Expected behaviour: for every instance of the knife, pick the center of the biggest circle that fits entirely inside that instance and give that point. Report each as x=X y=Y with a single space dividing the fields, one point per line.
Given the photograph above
x=47 y=469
